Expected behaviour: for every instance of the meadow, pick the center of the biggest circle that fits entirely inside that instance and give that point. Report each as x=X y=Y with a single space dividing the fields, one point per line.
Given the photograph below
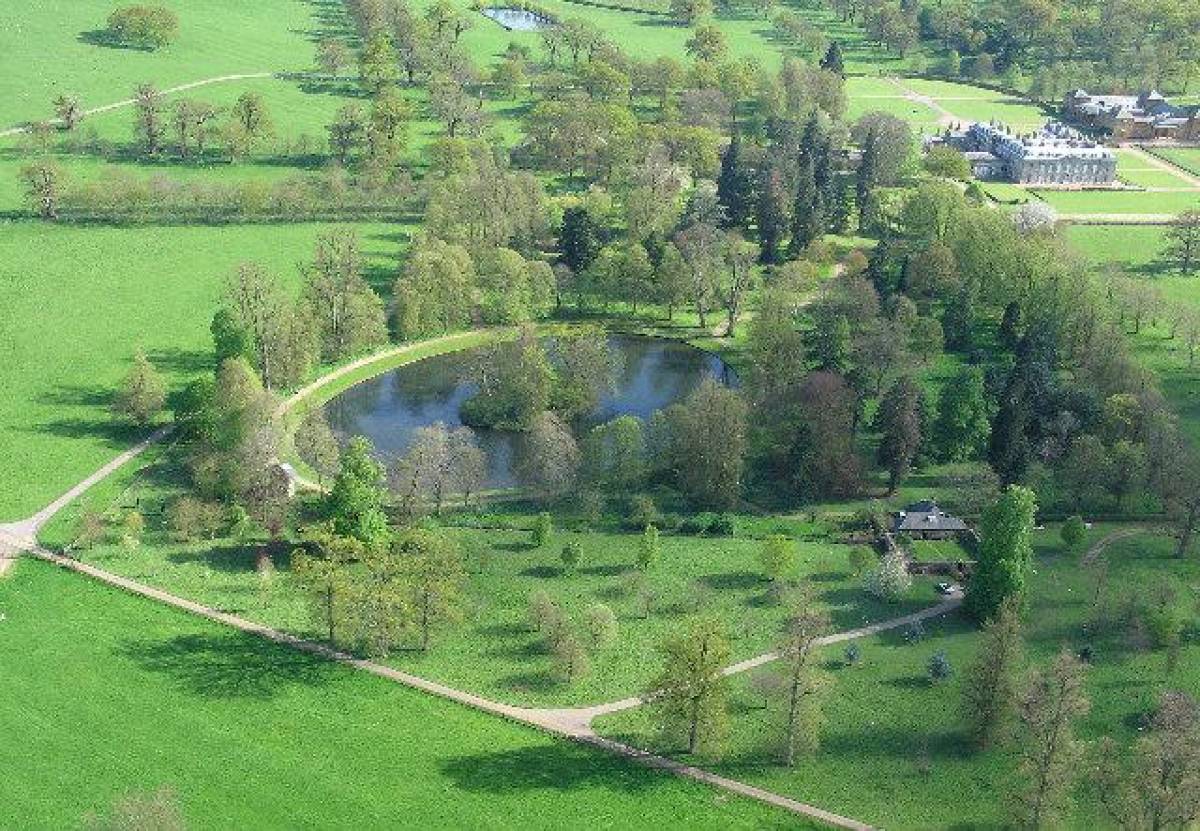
x=893 y=752
x=251 y=734
x=83 y=299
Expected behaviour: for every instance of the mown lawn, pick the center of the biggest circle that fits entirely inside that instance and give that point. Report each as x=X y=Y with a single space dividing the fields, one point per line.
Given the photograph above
x=1186 y=157
x=893 y=752
x=80 y=300
x=1119 y=202
x=104 y=693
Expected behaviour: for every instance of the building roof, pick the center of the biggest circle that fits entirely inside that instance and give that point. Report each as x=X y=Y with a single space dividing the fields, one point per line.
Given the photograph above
x=926 y=516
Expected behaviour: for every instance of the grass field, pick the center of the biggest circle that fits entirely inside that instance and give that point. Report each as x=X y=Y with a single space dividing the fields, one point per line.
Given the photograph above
x=893 y=753
x=1119 y=202
x=1006 y=193
x=53 y=49
x=1186 y=157
x=494 y=652
x=250 y=734
x=80 y=300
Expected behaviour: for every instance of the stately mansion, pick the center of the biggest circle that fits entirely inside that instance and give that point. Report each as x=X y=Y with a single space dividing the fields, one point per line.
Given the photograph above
x=1052 y=155
x=1142 y=117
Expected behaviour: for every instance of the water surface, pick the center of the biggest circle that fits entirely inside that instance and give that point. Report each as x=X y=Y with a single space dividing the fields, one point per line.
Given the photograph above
x=653 y=373
x=517 y=20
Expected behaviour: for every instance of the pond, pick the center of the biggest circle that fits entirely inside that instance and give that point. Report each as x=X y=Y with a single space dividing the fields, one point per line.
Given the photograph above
x=517 y=20
x=653 y=373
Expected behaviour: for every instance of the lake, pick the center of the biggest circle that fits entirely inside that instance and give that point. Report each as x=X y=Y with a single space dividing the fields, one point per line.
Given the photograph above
x=653 y=373
x=517 y=20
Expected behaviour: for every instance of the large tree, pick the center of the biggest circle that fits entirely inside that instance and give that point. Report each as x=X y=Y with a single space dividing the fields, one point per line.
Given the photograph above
x=142 y=394
x=689 y=695
x=350 y=316
x=991 y=685
x=1005 y=553
x=806 y=623
x=434 y=571
x=1183 y=240
x=961 y=427
x=706 y=444
x=354 y=504
x=899 y=421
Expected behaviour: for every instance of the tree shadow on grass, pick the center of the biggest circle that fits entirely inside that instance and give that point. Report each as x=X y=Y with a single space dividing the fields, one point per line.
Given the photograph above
x=736 y=580
x=233 y=558
x=543 y=572
x=227 y=665
x=559 y=766
x=605 y=570
x=182 y=361
x=534 y=681
x=103 y=37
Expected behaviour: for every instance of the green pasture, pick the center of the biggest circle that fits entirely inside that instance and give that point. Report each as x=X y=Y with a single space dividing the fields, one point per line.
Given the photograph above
x=893 y=752
x=81 y=300
x=104 y=694
x=1186 y=157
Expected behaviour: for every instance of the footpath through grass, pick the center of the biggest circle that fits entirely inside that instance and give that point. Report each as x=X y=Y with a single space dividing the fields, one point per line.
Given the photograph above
x=104 y=693
x=893 y=751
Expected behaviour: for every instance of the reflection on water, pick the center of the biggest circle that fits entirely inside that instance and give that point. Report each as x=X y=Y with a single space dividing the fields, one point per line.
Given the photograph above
x=519 y=20
x=652 y=374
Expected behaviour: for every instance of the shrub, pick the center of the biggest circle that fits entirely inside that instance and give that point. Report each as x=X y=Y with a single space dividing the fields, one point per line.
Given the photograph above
x=860 y=559
x=643 y=512
x=777 y=556
x=543 y=530
x=570 y=658
x=541 y=607
x=184 y=518
x=939 y=667
x=91 y=529
x=601 y=625
x=852 y=654
x=724 y=525
x=890 y=579
x=915 y=632
x=1073 y=532
x=572 y=552
x=648 y=548
x=132 y=527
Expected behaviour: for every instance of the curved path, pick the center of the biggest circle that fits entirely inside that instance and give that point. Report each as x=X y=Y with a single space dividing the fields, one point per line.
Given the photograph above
x=128 y=102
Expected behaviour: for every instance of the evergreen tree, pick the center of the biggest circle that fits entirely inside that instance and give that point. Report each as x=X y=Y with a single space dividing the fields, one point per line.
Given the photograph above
x=808 y=220
x=899 y=420
x=735 y=185
x=1009 y=451
x=865 y=183
x=579 y=239
x=832 y=62
x=961 y=428
x=772 y=215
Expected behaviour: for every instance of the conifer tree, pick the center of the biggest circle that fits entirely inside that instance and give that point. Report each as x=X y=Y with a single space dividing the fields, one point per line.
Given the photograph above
x=735 y=187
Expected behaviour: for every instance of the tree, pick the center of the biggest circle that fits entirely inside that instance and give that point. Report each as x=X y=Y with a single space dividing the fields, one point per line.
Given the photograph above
x=832 y=61
x=69 y=111
x=614 y=454
x=321 y=569
x=735 y=185
x=690 y=693
x=648 y=548
x=43 y=182
x=579 y=238
x=771 y=214
x=355 y=502
x=689 y=11
x=514 y=380
x=435 y=575
x=148 y=122
x=1049 y=753
x=380 y=599
x=1005 y=553
x=899 y=420
x=349 y=315
x=961 y=427
x=347 y=133
x=947 y=162
x=601 y=625
x=143 y=27
x=890 y=142
x=1183 y=240
x=707 y=444
x=549 y=461
x=991 y=686
x=378 y=67
x=707 y=43
x=251 y=123
x=805 y=625
x=332 y=56
x=191 y=122
x=808 y=212
x=739 y=256
x=316 y=444
x=889 y=580
x=1161 y=788
x=777 y=556
x=142 y=394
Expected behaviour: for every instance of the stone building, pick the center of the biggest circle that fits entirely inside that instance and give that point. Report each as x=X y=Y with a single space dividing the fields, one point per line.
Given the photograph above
x=1053 y=155
x=1143 y=117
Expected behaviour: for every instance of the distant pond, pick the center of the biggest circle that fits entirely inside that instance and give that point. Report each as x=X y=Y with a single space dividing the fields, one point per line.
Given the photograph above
x=517 y=20
x=653 y=373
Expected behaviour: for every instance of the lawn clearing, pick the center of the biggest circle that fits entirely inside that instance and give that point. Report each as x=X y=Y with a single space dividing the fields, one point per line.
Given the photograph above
x=1080 y=202
x=104 y=693
x=1006 y=193
x=80 y=300
x=892 y=750
x=1186 y=157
